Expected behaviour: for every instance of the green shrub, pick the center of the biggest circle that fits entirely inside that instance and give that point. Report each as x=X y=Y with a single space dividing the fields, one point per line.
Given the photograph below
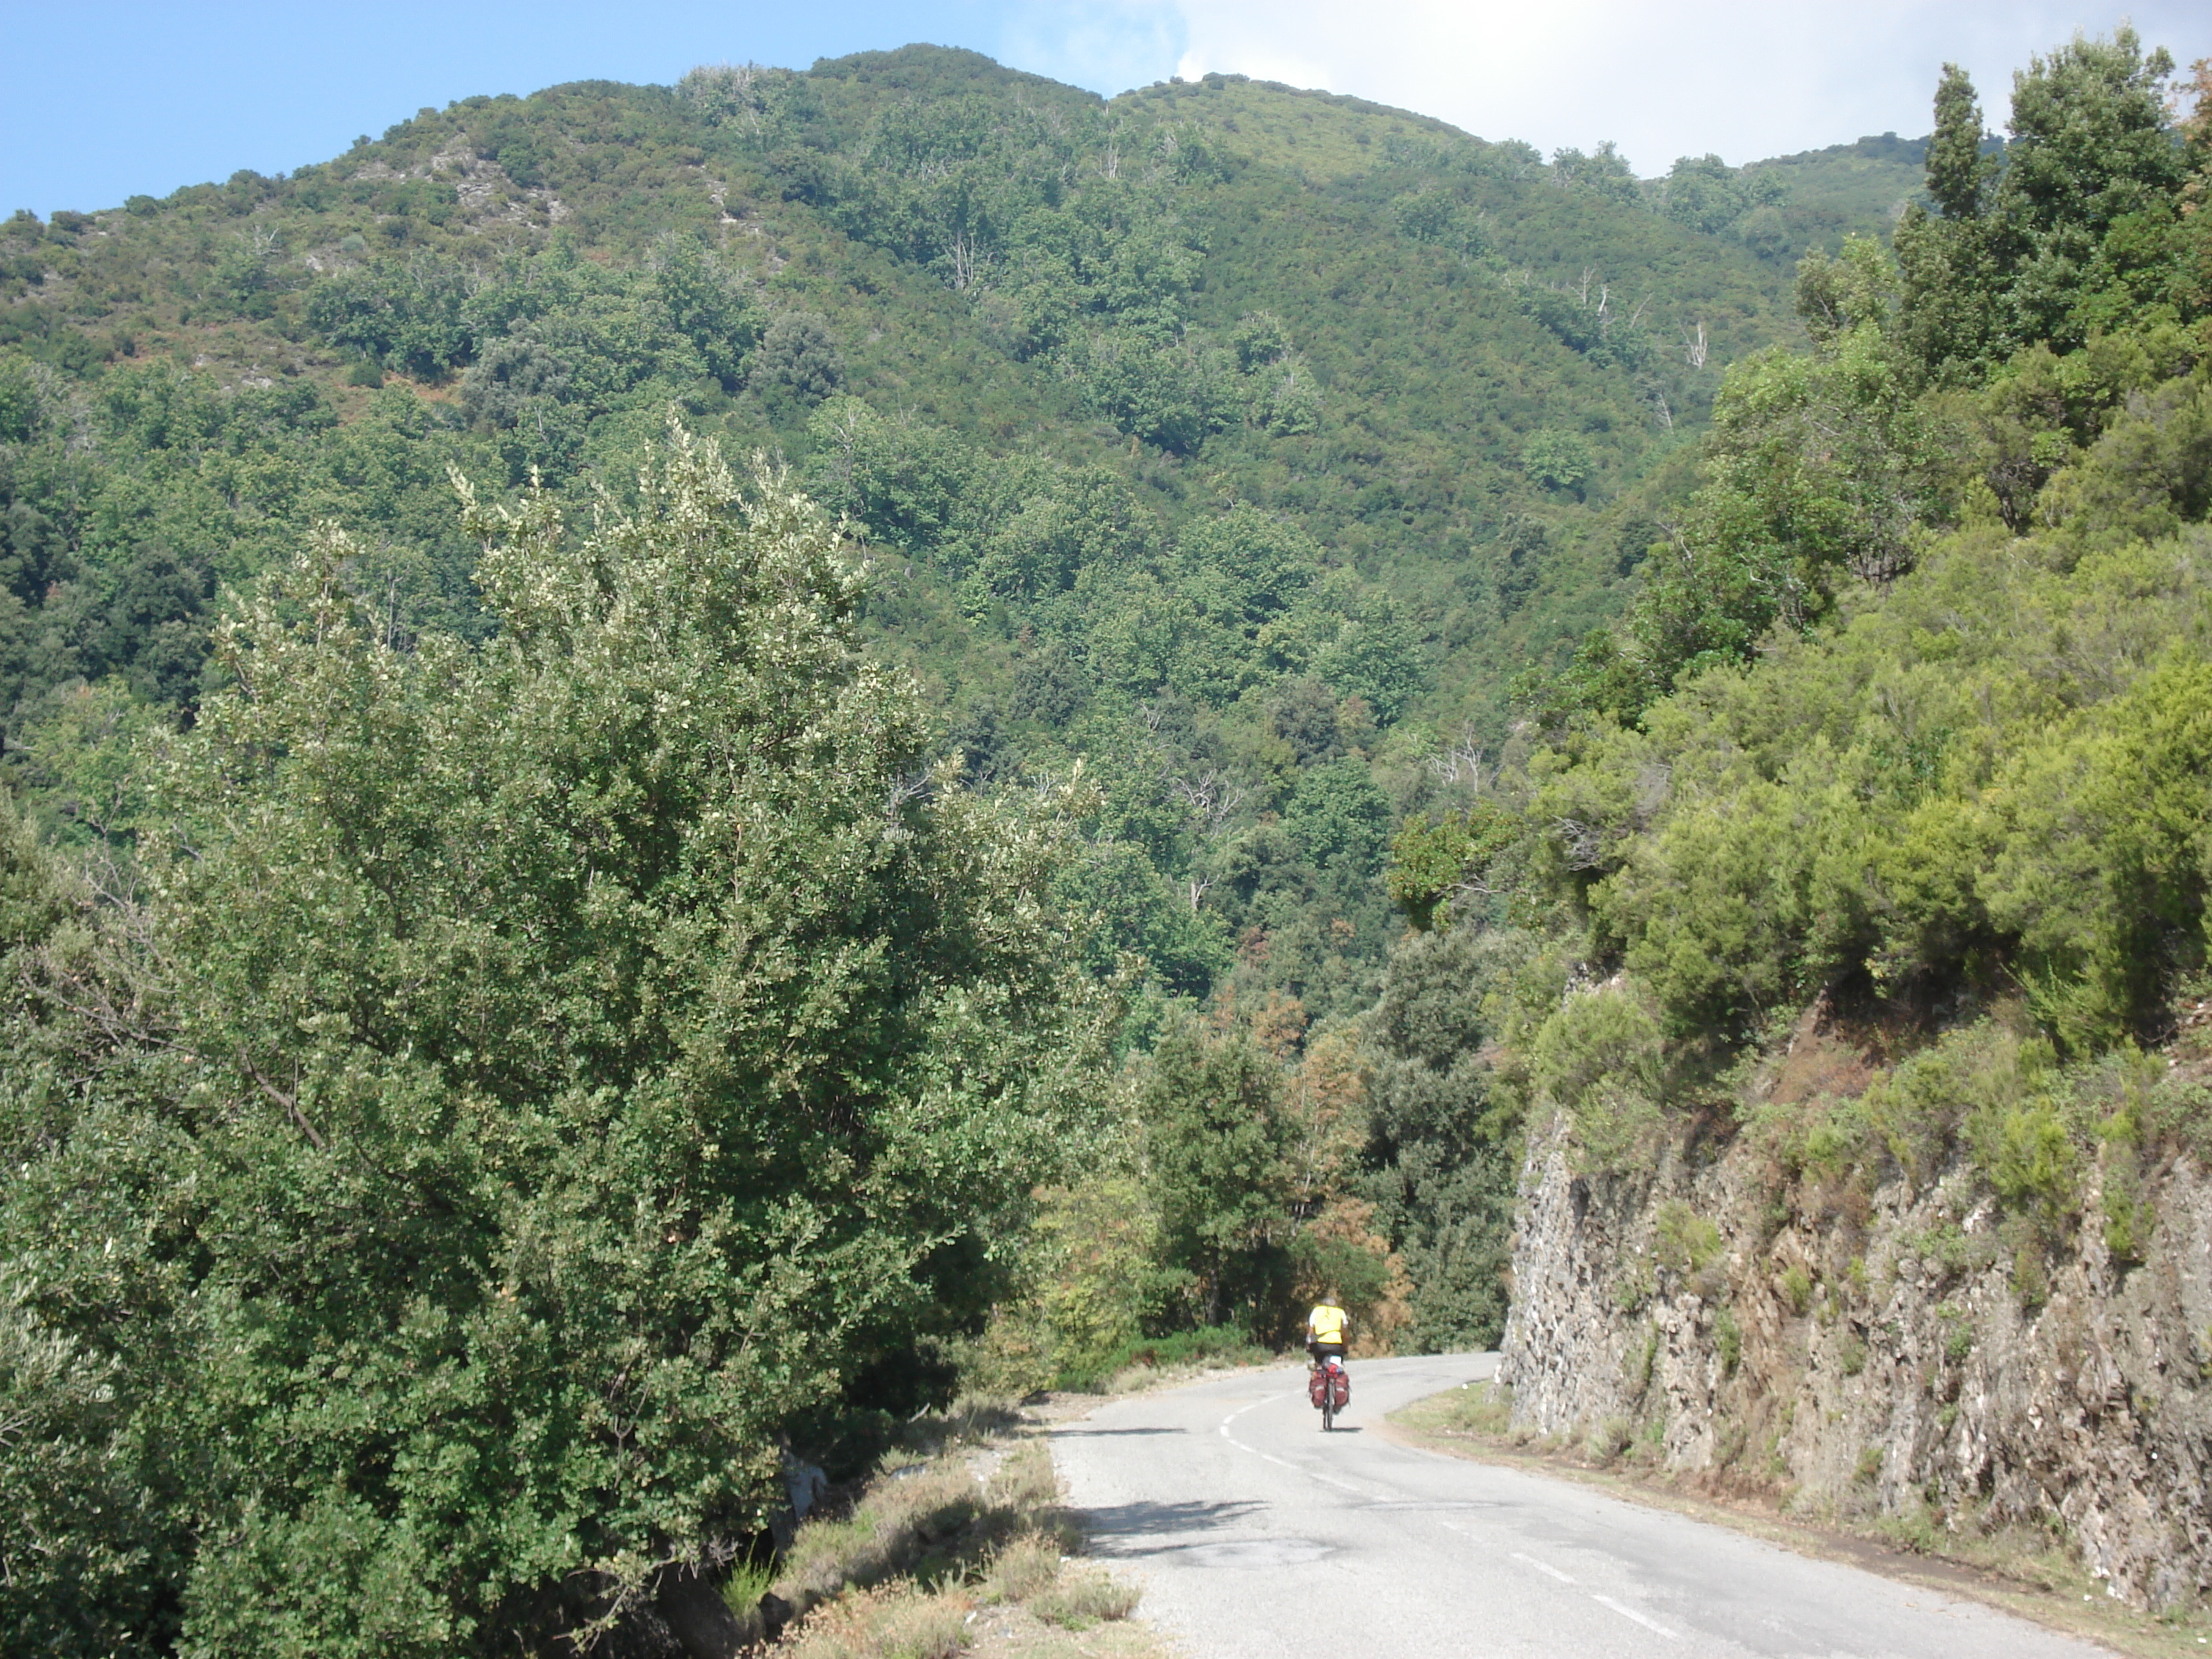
x=1957 y=1333
x=1949 y=1247
x=1556 y=459
x=1428 y=861
x=1091 y=1243
x=628 y=1140
x=1598 y=1057
x=1832 y=1147
x=1796 y=1287
x=1635 y=1285
x=746 y=1584
x=1646 y=1362
x=1608 y=1439
x=1477 y=1408
x=1704 y=908
x=1964 y=1080
x=1682 y=1239
x=2130 y=1216
x=2032 y=1162
x=1728 y=1340
x=1731 y=1436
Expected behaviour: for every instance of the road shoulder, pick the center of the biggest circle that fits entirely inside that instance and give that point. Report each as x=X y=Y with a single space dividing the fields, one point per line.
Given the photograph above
x=2055 y=1594
x=957 y=1543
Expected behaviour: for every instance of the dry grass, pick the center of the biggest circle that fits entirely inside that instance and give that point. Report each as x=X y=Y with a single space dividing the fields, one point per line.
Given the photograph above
x=1471 y=1408
x=1024 y=1568
x=960 y=1547
x=893 y=1621
x=1083 y=1597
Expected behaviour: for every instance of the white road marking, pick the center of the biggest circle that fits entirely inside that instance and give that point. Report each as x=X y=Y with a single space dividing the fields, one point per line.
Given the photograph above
x=1266 y=1457
x=1283 y=1463
x=1549 y=1571
x=1631 y=1612
x=1625 y=1611
x=1265 y=1399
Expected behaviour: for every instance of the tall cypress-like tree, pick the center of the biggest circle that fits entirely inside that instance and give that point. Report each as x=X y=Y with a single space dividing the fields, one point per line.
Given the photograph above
x=1951 y=313
x=1959 y=176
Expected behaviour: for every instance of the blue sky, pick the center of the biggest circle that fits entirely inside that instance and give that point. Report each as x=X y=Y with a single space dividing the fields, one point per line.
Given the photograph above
x=107 y=99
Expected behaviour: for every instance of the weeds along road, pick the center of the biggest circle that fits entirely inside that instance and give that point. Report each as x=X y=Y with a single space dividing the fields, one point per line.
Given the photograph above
x=1253 y=1533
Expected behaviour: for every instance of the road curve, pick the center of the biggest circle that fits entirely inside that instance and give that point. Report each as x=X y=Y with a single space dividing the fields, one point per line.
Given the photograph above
x=1255 y=1536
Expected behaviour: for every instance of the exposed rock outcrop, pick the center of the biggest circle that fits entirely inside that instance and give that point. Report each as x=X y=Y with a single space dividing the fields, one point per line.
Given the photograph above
x=1881 y=1352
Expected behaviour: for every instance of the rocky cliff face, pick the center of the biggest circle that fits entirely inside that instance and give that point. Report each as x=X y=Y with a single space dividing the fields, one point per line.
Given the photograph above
x=1883 y=1348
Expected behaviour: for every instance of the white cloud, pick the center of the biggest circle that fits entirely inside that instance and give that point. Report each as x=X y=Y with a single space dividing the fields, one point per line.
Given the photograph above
x=1108 y=46
x=1746 y=80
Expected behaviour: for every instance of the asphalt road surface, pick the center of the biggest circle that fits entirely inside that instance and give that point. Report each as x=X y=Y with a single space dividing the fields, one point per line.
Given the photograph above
x=1255 y=1536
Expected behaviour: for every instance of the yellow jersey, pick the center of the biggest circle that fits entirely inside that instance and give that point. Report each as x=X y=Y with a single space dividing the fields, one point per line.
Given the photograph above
x=1326 y=1324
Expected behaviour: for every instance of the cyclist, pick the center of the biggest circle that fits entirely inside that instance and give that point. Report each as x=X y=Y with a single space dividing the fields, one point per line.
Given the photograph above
x=1327 y=1326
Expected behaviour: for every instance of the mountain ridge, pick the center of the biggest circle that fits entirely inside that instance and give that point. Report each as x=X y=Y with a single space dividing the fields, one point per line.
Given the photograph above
x=1453 y=298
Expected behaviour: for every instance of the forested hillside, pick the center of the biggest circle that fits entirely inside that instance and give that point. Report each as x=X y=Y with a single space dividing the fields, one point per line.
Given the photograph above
x=1272 y=649
x=1903 y=716
x=1839 y=933
x=1387 y=409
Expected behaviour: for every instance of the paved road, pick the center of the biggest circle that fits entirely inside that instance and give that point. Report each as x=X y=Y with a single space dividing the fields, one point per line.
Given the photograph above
x=1257 y=1537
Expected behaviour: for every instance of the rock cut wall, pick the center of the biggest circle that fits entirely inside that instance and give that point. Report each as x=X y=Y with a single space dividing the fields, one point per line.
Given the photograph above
x=1878 y=1355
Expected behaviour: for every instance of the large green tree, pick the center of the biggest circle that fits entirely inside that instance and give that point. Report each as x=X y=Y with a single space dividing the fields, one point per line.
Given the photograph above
x=571 y=1060
x=2074 y=234
x=1215 y=1145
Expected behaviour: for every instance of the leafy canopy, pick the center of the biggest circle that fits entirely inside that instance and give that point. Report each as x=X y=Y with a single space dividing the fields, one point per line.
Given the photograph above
x=587 y=1052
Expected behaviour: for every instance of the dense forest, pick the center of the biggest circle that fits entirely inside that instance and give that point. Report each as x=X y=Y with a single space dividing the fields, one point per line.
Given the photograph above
x=686 y=766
